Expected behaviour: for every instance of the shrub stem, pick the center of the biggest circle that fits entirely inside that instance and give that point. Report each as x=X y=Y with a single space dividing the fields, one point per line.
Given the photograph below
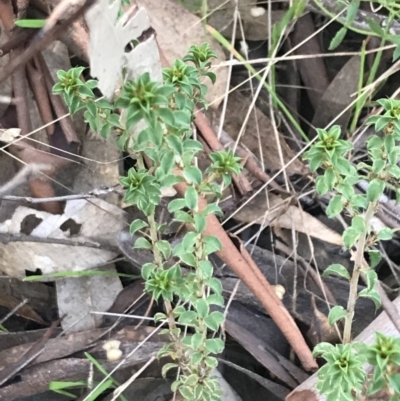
x=358 y=263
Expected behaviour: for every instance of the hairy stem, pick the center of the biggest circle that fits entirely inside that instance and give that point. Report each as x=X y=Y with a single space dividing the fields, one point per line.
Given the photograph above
x=353 y=292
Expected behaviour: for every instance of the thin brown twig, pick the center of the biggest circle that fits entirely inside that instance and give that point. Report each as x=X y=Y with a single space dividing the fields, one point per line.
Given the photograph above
x=52 y=30
x=92 y=194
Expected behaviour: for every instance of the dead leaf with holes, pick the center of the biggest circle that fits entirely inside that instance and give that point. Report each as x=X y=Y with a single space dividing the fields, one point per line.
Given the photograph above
x=110 y=41
x=82 y=238
x=272 y=210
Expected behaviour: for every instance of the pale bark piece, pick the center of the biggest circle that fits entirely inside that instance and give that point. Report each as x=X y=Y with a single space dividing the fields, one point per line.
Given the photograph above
x=109 y=37
x=101 y=166
x=274 y=211
x=338 y=96
x=383 y=324
x=255 y=20
x=175 y=40
x=5 y=86
x=259 y=133
x=83 y=223
x=77 y=298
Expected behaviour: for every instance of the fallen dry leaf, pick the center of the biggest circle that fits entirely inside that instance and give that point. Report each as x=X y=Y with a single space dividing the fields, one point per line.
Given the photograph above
x=276 y=212
x=338 y=96
x=175 y=40
x=109 y=36
x=54 y=243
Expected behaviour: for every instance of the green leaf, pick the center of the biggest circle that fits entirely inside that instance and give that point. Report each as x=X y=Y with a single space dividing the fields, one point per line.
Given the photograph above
x=193 y=175
x=183 y=217
x=188 y=258
x=375 y=27
x=374 y=258
x=385 y=234
x=30 y=23
x=167 y=367
x=197 y=340
x=199 y=223
x=338 y=38
x=147 y=269
x=212 y=208
x=211 y=362
x=212 y=244
x=175 y=143
x=187 y=317
x=202 y=308
x=214 y=320
x=167 y=162
x=371 y=278
x=335 y=206
x=330 y=178
x=136 y=225
x=165 y=248
x=373 y=295
x=191 y=380
x=336 y=313
x=358 y=223
x=176 y=204
x=375 y=189
x=167 y=116
x=358 y=201
x=206 y=268
x=338 y=270
x=321 y=185
x=394 y=381
x=142 y=243
x=352 y=10
x=191 y=198
x=186 y=392
x=215 y=285
x=350 y=236
x=214 y=345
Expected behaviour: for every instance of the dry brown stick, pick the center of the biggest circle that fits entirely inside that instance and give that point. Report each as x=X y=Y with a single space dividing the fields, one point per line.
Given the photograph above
x=58 y=104
x=52 y=30
x=244 y=267
x=36 y=349
x=35 y=77
x=209 y=136
x=17 y=40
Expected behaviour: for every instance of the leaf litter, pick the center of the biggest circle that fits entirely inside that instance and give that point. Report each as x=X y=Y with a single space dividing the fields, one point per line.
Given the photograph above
x=76 y=245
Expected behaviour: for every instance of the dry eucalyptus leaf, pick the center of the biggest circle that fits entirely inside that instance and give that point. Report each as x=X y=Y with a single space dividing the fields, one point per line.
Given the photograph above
x=109 y=39
x=78 y=297
x=278 y=213
x=238 y=106
x=83 y=222
x=255 y=20
x=176 y=38
x=338 y=96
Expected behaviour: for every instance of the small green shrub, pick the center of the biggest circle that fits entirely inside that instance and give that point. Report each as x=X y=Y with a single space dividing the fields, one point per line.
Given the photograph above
x=343 y=377
x=167 y=146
